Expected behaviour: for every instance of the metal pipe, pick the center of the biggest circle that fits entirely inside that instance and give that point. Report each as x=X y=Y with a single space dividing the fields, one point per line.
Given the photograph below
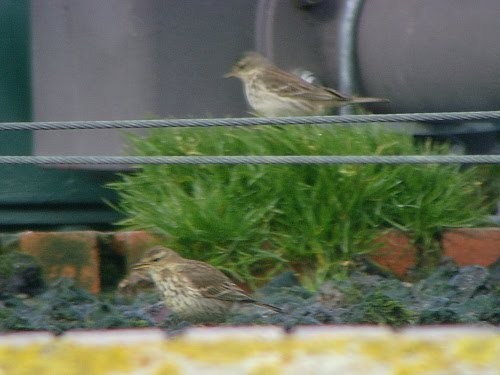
x=428 y=55
x=348 y=78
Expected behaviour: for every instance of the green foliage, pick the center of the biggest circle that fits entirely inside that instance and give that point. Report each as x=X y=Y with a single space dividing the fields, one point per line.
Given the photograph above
x=490 y=174
x=10 y=321
x=378 y=308
x=253 y=219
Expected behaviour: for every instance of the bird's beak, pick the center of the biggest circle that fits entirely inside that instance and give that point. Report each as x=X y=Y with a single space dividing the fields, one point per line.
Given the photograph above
x=229 y=75
x=140 y=266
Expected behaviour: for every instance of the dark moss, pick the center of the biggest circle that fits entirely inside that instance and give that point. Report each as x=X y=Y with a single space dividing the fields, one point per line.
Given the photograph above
x=10 y=320
x=484 y=308
x=65 y=291
x=494 y=279
x=439 y=316
x=378 y=308
x=20 y=273
x=436 y=284
x=449 y=295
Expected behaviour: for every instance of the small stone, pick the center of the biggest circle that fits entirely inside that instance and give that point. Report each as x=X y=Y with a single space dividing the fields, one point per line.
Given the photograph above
x=330 y=296
x=467 y=281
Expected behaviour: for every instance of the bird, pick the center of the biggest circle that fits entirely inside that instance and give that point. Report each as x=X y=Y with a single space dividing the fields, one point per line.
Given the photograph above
x=273 y=92
x=194 y=291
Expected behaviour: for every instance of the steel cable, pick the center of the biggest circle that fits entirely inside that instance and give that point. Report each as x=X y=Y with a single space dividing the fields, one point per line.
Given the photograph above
x=252 y=121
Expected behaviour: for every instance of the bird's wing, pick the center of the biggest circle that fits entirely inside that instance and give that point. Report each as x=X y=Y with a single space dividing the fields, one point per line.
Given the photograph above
x=337 y=94
x=289 y=85
x=212 y=283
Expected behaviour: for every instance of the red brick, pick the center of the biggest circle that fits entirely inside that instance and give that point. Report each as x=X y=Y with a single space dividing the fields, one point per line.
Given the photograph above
x=69 y=254
x=396 y=253
x=132 y=244
x=469 y=246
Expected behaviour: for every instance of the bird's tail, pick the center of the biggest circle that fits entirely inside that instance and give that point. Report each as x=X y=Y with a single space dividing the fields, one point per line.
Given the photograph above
x=355 y=100
x=270 y=307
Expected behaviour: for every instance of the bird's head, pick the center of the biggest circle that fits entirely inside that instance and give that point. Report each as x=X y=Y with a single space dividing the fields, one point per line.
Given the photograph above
x=156 y=257
x=247 y=65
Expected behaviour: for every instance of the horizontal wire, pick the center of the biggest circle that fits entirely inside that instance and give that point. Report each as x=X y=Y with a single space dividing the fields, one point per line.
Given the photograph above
x=289 y=159
x=251 y=121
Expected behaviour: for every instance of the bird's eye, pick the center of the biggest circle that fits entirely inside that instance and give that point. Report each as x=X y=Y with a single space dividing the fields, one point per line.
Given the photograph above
x=157 y=259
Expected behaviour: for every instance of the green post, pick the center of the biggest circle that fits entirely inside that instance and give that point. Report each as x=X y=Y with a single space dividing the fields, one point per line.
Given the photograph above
x=36 y=197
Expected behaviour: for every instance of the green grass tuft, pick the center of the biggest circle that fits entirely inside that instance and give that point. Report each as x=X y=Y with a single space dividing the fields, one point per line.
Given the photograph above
x=253 y=220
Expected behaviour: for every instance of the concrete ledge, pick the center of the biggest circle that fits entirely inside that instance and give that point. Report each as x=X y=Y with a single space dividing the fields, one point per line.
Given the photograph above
x=256 y=350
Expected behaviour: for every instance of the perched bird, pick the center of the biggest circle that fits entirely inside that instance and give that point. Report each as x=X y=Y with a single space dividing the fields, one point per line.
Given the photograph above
x=195 y=291
x=272 y=92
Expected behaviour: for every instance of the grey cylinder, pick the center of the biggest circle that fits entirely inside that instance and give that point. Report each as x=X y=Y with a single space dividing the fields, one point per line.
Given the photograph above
x=431 y=55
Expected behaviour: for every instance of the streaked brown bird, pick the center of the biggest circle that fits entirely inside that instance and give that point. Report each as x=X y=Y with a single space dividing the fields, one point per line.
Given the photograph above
x=195 y=291
x=272 y=92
